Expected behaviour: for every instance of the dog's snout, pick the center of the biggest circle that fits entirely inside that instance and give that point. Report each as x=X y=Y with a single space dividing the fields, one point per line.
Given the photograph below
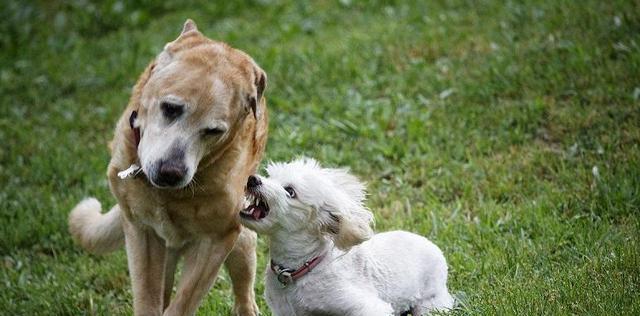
x=170 y=173
x=253 y=182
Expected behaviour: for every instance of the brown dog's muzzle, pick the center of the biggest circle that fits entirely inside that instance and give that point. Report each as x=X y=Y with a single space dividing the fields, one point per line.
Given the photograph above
x=170 y=172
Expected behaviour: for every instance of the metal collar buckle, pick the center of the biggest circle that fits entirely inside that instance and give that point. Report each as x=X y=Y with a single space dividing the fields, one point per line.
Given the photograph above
x=284 y=276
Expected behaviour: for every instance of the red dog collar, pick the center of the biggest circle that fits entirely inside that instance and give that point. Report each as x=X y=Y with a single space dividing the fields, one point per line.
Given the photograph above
x=286 y=276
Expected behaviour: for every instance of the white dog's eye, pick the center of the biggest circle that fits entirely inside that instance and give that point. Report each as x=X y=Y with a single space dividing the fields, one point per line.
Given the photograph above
x=291 y=192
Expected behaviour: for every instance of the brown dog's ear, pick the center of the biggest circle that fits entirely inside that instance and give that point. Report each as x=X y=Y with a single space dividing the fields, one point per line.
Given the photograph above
x=189 y=25
x=261 y=83
x=142 y=81
x=253 y=104
x=169 y=49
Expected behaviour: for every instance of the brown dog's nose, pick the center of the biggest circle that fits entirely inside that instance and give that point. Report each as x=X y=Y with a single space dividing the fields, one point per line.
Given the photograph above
x=253 y=182
x=171 y=173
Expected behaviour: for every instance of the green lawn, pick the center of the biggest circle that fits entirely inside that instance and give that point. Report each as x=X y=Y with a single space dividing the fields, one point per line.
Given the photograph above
x=507 y=133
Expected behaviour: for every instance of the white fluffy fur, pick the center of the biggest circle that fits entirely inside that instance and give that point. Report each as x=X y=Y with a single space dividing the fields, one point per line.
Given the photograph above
x=362 y=274
x=98 y=233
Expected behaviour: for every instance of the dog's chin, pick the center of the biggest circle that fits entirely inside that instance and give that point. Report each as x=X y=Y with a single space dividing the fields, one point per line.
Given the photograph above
x=167 y=187
x=260 y=226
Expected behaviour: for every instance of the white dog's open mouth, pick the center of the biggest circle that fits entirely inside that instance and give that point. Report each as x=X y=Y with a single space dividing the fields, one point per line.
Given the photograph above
x=254 y=207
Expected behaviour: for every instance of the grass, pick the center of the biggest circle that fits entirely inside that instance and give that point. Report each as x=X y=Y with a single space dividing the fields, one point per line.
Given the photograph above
x=507 y=133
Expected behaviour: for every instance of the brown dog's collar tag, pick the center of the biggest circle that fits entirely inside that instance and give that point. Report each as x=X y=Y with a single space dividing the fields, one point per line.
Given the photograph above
x=130 y=172
x=135 y=127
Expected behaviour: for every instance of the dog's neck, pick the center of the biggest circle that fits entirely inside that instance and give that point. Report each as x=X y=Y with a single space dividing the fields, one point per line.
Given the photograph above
x=292 y=250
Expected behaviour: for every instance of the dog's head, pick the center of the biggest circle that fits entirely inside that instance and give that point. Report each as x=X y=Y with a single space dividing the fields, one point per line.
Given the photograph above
x=192 y=101
x=302 y=196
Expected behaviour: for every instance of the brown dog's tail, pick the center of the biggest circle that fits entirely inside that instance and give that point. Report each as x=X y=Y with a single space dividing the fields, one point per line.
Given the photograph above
x=95 y=232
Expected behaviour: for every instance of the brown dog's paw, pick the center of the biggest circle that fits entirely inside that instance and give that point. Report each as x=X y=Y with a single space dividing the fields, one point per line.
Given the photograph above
x=246 y=310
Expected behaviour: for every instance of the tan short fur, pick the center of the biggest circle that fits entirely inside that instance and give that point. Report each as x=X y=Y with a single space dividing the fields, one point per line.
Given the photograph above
x=198 y=221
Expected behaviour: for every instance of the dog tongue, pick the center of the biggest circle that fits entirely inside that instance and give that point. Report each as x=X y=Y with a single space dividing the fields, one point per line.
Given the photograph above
x=256 y=212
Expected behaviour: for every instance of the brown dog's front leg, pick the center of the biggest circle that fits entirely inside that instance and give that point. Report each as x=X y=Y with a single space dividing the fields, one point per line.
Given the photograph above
x=202 y=260
x=145 y=255
x=241 y=265
x=171 y=261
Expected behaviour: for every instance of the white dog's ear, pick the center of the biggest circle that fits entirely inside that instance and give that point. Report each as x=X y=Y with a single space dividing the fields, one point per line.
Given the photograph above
x=346 y=218
x=347 y=183
x=347 y=228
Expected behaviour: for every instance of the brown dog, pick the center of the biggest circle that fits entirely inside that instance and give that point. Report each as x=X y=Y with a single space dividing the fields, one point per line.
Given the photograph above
x=196 y=124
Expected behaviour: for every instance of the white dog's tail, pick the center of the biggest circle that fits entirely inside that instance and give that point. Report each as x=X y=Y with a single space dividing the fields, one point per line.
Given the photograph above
x=95 y=232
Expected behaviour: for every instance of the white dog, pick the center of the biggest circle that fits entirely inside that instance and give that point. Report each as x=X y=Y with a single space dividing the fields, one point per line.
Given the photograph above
x=324 y=259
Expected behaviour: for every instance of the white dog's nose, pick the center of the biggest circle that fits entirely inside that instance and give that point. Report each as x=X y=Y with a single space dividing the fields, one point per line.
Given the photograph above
x=253 y=182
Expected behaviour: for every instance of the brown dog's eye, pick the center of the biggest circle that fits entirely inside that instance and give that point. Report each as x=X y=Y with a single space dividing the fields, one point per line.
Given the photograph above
x=212 y=131
x=171 y=111
x=291 y=192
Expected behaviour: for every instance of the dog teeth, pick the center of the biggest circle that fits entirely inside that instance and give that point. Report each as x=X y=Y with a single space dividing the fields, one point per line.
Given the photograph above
x=251 y=200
